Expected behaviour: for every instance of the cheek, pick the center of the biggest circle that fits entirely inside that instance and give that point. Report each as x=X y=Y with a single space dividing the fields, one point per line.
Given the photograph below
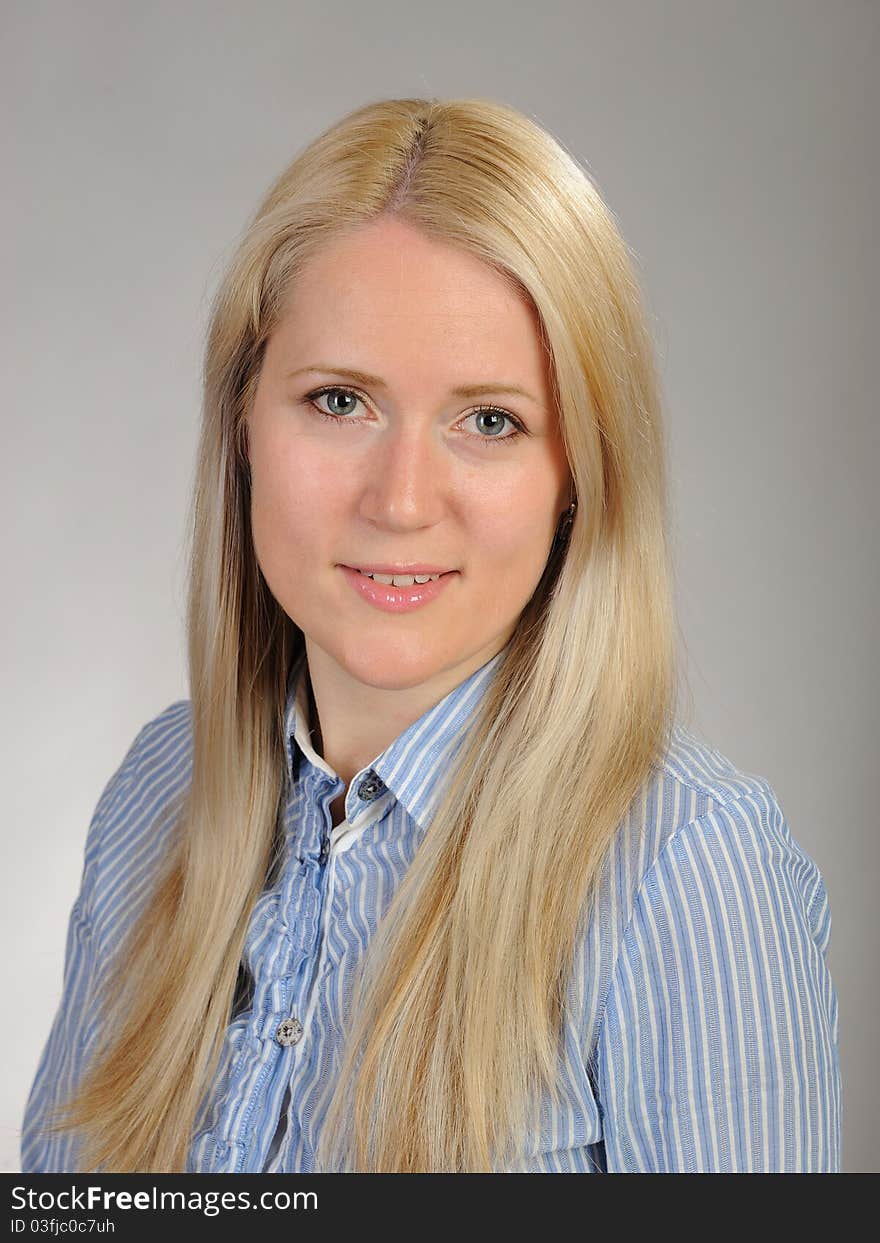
x=284 y=502
x=513 y=529
x=290 y=472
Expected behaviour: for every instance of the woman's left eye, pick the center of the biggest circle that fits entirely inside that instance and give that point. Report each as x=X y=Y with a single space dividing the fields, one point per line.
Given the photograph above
x=493 y=416
x=490 y=417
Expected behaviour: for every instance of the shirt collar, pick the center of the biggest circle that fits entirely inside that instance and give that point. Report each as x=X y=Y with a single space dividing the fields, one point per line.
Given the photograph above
x=413 y=764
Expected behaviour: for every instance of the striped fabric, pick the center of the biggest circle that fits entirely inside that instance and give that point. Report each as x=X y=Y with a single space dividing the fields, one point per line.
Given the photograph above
x=701 y=1030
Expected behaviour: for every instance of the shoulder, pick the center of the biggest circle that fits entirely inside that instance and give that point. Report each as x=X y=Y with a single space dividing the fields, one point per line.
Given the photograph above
x=129 y=833
x=706 y=840
x=155 y=764
x=699 y=803
x=742 y=829
x=718 y=1032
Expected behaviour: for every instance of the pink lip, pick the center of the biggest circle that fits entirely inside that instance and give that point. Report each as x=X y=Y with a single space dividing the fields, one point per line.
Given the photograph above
x=396 y=599
x=407 y=567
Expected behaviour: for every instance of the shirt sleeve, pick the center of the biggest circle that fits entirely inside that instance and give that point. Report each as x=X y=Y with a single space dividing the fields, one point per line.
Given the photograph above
x=62 y=1062
x=718 y=1050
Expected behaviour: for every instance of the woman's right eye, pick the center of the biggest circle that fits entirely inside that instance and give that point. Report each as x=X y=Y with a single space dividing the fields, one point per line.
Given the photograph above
x=344 y=416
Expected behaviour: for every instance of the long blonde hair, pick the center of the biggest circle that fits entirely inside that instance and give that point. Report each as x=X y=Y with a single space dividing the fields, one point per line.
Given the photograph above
x=453 y=1030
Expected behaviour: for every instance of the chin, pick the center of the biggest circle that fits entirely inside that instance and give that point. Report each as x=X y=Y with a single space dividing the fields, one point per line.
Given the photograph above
x=394 y=665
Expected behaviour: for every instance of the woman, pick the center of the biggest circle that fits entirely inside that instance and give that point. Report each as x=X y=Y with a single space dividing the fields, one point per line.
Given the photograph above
x=427 y=875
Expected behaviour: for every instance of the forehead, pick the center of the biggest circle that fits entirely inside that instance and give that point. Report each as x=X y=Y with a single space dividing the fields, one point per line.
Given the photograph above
x=386 y=295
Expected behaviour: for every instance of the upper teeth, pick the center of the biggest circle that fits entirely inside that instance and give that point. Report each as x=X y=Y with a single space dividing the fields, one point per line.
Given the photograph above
x=400 y=580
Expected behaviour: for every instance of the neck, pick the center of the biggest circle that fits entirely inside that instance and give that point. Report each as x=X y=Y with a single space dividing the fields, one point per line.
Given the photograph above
x=353 y=722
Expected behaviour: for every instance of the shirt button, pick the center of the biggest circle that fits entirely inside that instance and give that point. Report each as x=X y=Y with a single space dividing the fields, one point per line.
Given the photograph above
x=289 y=1031
x=325 y=851
x=370 y=787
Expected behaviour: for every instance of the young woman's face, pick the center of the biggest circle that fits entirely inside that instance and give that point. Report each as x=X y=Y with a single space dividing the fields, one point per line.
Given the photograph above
x=408 y=473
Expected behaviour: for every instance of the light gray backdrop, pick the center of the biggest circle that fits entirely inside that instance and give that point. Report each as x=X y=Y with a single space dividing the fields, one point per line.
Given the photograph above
x=736 y=144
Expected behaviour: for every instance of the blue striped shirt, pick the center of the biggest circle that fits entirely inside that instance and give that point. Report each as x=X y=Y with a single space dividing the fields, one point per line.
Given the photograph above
x=701 y=1025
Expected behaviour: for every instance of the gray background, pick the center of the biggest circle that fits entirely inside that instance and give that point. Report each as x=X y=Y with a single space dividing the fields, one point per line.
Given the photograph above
x=733 y=141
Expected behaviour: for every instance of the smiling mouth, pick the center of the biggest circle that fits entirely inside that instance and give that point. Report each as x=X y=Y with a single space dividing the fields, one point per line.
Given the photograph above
x=397 y=593
x=401 y=580
x=386 y=571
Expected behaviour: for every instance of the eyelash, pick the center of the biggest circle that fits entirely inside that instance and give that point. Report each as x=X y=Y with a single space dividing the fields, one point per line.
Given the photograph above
x=518 y=429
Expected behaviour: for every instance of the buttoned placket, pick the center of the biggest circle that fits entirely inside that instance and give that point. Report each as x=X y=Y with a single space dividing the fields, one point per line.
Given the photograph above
x=365 y=809
x=365 y=803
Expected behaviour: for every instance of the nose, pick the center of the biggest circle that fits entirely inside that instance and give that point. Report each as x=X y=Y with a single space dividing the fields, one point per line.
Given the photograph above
x=404 y=478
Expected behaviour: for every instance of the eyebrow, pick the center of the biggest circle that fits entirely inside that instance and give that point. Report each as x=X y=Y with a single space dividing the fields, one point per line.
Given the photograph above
x=463 y=390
